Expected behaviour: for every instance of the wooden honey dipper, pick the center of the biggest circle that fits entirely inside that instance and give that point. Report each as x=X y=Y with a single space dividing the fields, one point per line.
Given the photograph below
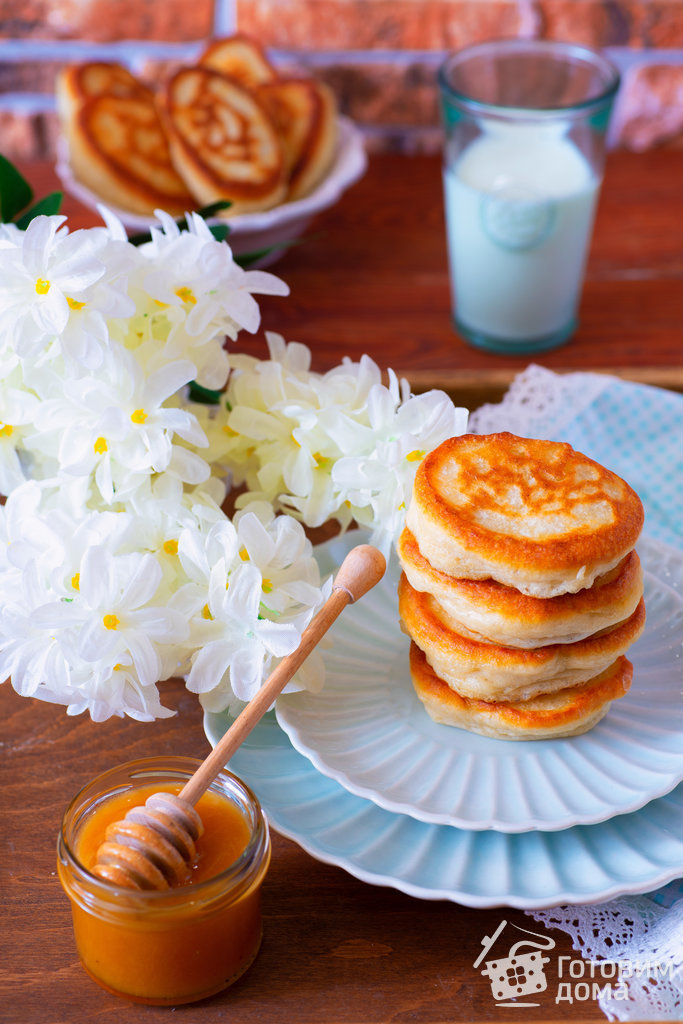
x=153 y=847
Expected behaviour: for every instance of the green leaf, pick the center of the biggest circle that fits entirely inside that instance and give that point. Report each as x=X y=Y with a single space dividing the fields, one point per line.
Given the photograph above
x=204 y=395
x=220 y=231
x=15 y=191
x=247 y=259
x=213 y=208
x=48 y=205
x=144 y=236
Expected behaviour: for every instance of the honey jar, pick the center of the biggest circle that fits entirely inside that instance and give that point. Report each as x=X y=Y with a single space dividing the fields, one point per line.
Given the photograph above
x=179 y=944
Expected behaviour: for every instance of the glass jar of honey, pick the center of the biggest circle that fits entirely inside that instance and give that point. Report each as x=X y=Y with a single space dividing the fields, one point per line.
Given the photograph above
x=179 y=944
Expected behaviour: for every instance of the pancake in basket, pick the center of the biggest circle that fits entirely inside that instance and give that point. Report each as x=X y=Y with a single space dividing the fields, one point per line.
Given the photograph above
x=241 y=58
x=487 y=610
x=304 y=112
x=117 y=147
x=223 y=142
x=80 y=82
x=489 y=671
x=567 y=712
x=534 y=515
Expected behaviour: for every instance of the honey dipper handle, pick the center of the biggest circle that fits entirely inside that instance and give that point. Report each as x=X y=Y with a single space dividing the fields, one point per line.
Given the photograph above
x=362 y=568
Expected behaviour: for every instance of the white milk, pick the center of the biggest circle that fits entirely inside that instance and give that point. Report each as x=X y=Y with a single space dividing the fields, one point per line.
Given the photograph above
x=519 y=214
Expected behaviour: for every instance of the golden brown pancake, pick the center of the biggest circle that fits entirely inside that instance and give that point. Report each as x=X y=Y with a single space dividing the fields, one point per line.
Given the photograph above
x=305 y=115
x=240 y=57
x=80 y=82
x=488 y=610
x=534 y=515
x=489 y=671
x=566 y=712
x=223 y=142
x=117 y=147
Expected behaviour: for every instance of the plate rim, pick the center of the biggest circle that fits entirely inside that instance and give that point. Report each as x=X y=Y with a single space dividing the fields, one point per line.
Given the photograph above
x=669 y=779
x=616 y=887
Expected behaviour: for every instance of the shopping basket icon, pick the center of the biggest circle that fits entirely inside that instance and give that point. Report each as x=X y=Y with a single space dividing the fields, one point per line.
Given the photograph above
x=517 y=974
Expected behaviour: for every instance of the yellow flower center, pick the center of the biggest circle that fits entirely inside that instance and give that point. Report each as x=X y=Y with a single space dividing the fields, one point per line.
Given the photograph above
x=111 y=622
x=206 y=612
x=161 y=305
x=186 y=294
x=244 y=554
x=74 y=303
x=101 y=445
x=76 y=581
x=415 y=456
x=139 y=416
x=229 y=431
x=42 y=286
x=6 y=429
x=171 y=547
x=266 y=585
x=118 y=667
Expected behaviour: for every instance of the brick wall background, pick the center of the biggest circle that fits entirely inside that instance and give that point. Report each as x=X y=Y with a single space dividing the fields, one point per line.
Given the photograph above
x=380 y=56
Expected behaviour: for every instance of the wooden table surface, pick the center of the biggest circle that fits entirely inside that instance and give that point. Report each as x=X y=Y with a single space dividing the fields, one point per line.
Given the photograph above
x=371 y=278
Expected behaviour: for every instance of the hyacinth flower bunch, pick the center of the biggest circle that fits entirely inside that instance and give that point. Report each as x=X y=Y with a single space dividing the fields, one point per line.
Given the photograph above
x=119 y=566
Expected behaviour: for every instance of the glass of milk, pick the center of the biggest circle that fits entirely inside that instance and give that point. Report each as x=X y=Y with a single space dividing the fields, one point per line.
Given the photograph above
x=525 y=124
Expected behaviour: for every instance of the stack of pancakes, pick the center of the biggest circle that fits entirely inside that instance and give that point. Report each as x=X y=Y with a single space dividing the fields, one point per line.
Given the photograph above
x=521 y=589
x=229 y=127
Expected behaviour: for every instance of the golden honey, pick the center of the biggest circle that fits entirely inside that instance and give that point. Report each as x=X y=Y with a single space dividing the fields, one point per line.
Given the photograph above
x=180 y=944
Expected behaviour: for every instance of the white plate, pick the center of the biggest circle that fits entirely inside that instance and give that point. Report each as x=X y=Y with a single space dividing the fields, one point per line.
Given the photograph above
x=250 y=232
x=633 y=853
x=368 y=730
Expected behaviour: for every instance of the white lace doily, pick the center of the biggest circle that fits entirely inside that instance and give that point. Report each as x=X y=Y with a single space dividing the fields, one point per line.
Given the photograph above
x=644 y=939
x=539 y=403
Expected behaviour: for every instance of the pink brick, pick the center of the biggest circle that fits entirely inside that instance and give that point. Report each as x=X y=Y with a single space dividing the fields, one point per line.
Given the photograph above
x=23 y=136
x=28 y=76
x=593 y=23
x=107 y=20
x=18 y=21
x=376 y=24
x=384 y=93
x=650 y=110
x=664 y=24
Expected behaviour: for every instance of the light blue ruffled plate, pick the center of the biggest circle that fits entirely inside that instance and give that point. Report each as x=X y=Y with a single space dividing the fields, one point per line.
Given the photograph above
x=631 y=853
x=368 y=730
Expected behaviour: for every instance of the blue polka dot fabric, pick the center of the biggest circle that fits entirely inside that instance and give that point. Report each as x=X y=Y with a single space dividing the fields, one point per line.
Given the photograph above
x=637 y=431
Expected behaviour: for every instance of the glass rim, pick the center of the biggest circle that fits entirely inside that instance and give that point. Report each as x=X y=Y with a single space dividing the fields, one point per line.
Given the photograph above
x=177 y=768
x=507 y=46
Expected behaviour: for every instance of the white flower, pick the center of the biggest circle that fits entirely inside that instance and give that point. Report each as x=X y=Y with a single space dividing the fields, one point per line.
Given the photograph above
x=118 y=565
x=378 y=484
x=116 y=426
x=203 y=292
x=339 y=445
x=17 y=409
x=84 y=617
x=256 y=609
x=53 y=290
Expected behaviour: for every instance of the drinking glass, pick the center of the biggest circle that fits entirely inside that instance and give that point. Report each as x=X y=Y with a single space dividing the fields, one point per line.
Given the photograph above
x=525 y=124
